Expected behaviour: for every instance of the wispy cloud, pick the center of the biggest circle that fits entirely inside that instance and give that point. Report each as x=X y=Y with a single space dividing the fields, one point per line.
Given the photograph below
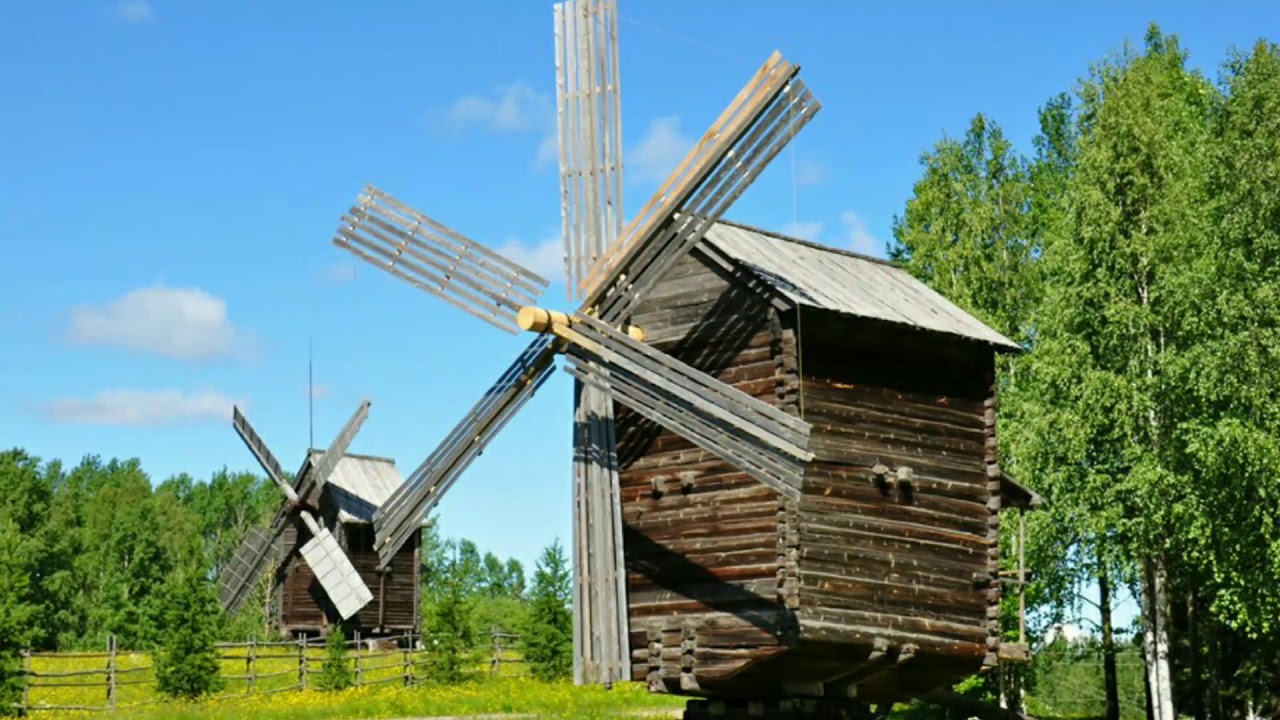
x=511 y=108
x=546 y=258
x=141 y=408
x=803 y=230
x=659 y=151
x=810 y=172
x=859 y=238
x=135 y=11
x=318 y=391
x=183 y=323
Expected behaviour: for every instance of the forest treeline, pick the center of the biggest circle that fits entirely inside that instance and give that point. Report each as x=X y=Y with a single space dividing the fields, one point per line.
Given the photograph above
x=98 y=550
x=1134 y=251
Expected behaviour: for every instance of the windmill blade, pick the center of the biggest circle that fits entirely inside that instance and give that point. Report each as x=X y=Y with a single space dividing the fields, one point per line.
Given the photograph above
x=589 y=120
x=260 y=451
x=333 y=569
x=400 y=516
x=752 y=435
x=312 y=483
x=755 y=127
x=239 y=576
x=389 y=234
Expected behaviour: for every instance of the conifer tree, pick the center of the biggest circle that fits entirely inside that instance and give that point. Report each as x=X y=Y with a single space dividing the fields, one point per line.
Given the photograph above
x=548 y=637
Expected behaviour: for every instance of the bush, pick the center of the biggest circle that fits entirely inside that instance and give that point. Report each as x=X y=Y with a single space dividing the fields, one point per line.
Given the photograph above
x=187 y=662
x=548 y=636
x=450 y=626
x=336 y=672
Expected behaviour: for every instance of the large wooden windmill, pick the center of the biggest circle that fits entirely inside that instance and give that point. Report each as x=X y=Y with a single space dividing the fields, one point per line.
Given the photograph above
x=785 y=476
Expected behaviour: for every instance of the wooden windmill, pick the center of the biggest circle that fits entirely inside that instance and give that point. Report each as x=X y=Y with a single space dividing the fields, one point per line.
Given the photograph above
x=319 y=537
x=611 y=268
x=785 y=476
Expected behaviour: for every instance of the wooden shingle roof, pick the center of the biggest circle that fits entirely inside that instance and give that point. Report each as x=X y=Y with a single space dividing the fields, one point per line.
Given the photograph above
x=813 y=275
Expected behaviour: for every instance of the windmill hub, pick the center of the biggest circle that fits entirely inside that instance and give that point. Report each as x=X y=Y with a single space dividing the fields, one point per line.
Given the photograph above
x=542 y=320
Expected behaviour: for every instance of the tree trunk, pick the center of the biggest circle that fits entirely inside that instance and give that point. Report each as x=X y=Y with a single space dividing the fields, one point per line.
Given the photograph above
x=1193 y=647
x=1111 y=684
x=1155 y=638
x=1215 y=671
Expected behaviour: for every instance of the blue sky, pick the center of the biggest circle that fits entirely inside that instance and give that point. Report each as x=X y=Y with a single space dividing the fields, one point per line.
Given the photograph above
x=172 y=173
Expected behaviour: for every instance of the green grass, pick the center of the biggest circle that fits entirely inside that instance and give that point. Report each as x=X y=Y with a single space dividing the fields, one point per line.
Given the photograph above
x=489 y=696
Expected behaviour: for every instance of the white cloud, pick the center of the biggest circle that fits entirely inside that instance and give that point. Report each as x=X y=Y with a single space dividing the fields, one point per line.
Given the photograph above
x=184 y=323
x=546 y=258
x=145 y=408
x=803 y=230
x=810 y=172
x=860 y=239
x=318 y=390
x=515 y=107
x=135 y=11
x=659 y=152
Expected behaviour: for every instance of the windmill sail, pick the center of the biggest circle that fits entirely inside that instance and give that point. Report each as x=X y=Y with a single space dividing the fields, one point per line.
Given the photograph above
x=749 y=433
x=392 y=236
x=751 y=131
x=589 y=119
x=401 y=515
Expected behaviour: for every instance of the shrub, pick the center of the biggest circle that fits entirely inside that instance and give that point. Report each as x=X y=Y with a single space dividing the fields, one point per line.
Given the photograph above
x=548 y=637
x=187 y=661
x=336 y=672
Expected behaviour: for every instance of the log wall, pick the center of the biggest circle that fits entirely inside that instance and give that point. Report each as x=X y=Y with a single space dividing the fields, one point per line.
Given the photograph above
x=701 y=539
x=893 y=556
x=303 y=605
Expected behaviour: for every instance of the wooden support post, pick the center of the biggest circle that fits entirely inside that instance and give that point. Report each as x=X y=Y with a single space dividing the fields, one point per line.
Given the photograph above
x=496 y=665
x=251 y=669
x=302 y=661
x=26 y=679
x=359 y=668
x=408 y=659
x=1022 y=577
x=111 y=672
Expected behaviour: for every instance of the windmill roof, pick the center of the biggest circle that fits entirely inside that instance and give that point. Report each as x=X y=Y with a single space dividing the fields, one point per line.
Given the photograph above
x=818 y=276
x=360 y=484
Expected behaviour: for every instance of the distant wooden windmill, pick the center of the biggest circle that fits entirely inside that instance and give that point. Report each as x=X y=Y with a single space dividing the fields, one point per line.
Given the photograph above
x=321 y=546
x=724 y=546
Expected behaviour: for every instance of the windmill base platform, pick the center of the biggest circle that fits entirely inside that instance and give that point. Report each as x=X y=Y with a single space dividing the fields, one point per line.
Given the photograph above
x=788 y=708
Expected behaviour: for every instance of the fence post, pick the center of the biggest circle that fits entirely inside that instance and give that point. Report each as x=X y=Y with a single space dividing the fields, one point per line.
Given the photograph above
x=496 y=665
x=302 y=661
x=408 y=654
x=251 y=667
x=26 y=680
x=111 y=672
x=359 y=670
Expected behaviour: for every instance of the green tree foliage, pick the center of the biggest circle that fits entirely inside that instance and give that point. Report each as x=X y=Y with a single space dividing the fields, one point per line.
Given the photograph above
x=548 y=634
x=187 y=660
x=1138 y=267
x=450 y=622
x=336 y=672
x=17 y=610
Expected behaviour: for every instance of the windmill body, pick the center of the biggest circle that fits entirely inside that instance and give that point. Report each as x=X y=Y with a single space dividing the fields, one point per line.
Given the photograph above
x=878 y=581
x=358 y=486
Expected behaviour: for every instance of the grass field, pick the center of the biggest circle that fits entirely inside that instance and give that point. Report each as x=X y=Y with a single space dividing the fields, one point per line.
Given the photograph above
x=489 y=696
x=276 y=697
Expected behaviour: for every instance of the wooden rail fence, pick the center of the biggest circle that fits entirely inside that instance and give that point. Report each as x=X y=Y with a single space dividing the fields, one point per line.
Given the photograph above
x=125 y=680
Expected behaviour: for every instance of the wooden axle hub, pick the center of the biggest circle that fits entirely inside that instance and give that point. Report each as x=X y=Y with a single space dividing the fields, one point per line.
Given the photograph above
x=541 y=320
